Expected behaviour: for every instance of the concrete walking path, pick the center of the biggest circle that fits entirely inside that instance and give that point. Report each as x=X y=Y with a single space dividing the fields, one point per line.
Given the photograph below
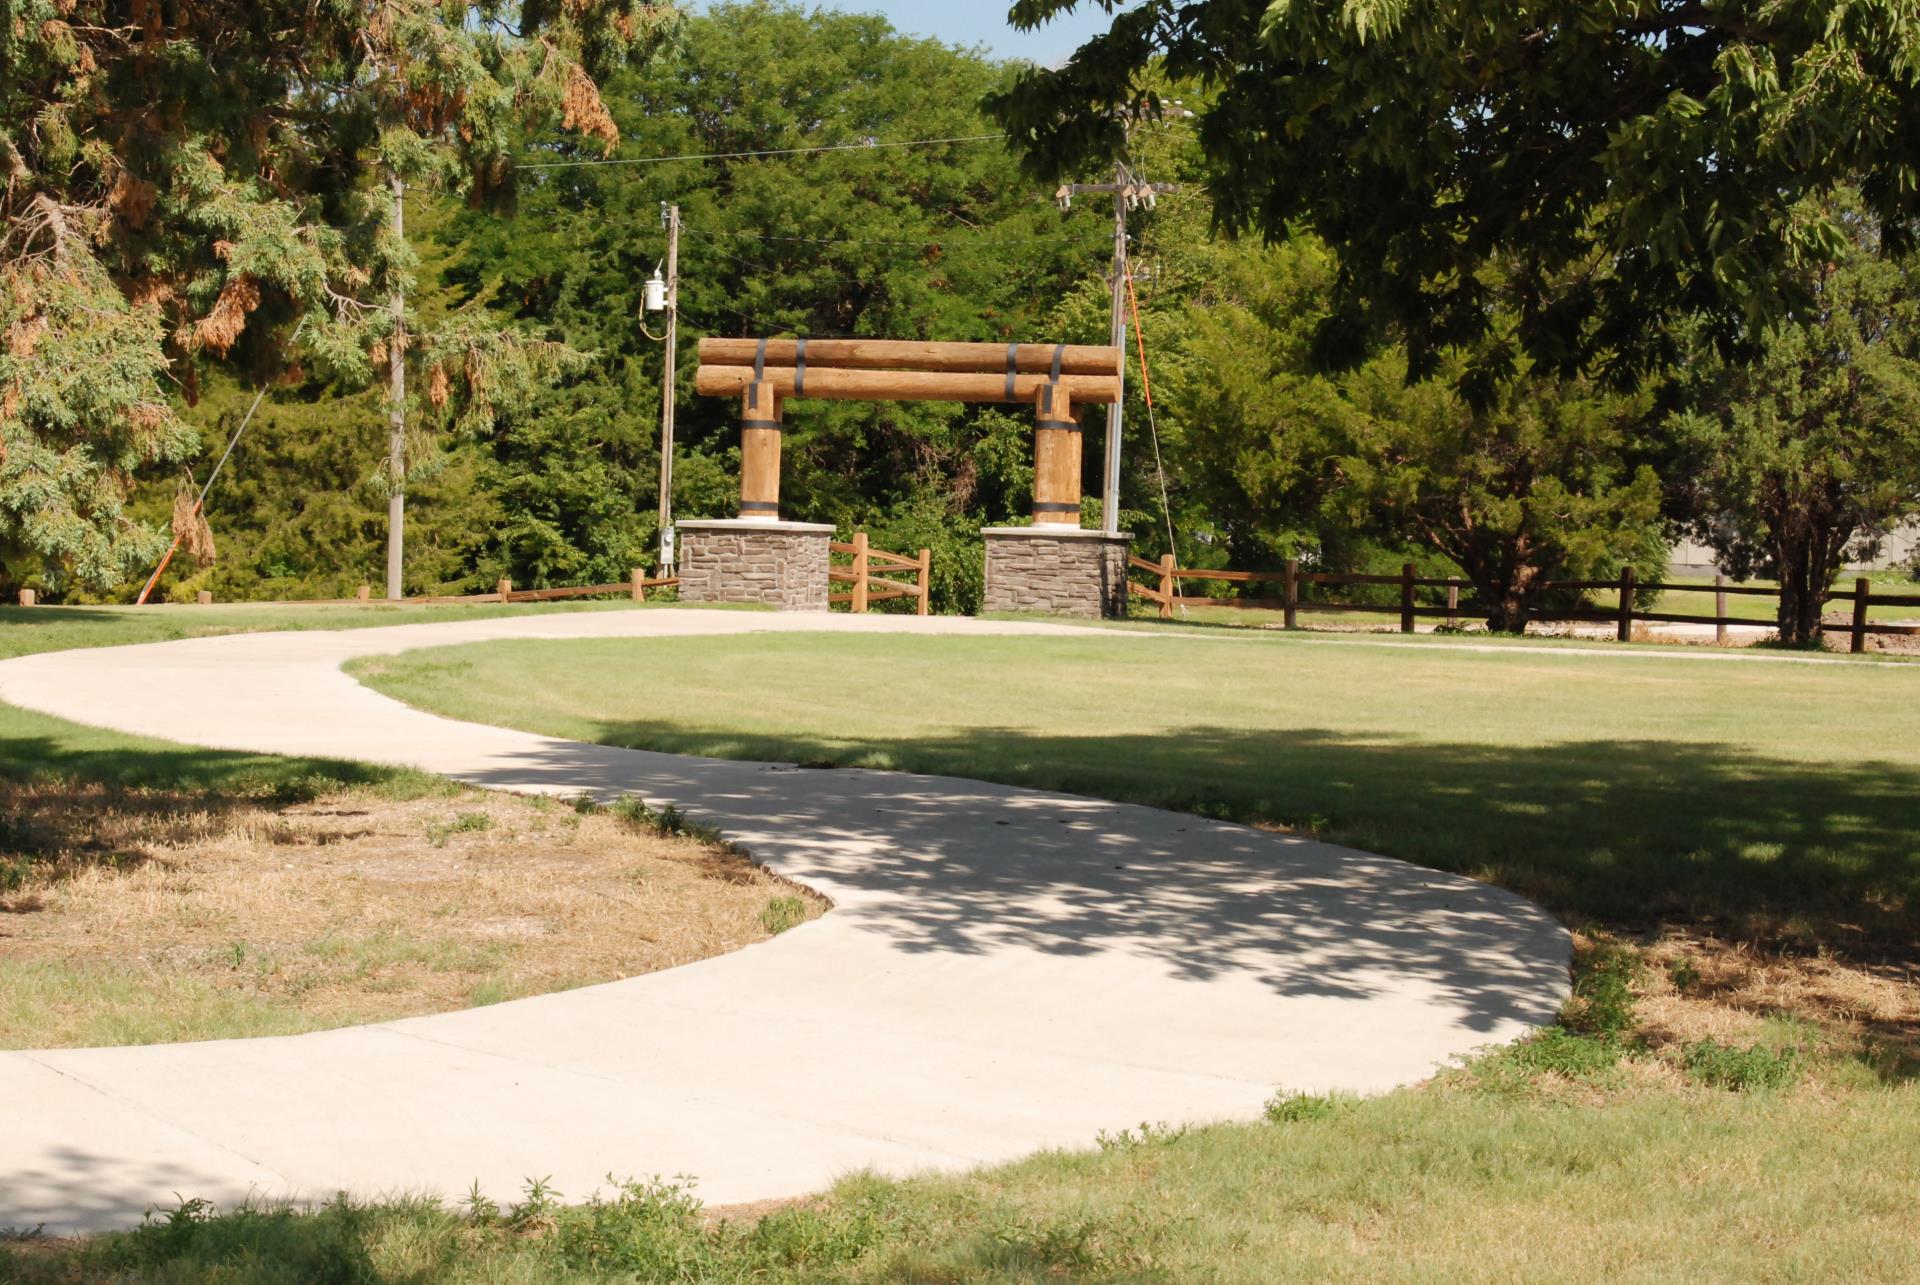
x=1003 y=970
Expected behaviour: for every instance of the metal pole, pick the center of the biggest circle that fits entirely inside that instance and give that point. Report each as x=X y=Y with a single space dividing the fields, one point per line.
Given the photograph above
x=397 y=414
x=1117 y=331
x=667 y=391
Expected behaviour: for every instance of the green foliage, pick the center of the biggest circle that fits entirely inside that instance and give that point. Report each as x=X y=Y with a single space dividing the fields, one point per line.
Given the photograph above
x=1299 y=1108
x=1742 y=1070
x=1641 y=161
x=1806 y=456
x=197 y=182
x=781 y=913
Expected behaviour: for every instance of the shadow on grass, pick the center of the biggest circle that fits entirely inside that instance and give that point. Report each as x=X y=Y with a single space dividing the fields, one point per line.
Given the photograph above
x=130 y=764
x=1629 y=834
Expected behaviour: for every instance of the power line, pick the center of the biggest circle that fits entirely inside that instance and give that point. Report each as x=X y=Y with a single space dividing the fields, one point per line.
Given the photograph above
x=869 y=146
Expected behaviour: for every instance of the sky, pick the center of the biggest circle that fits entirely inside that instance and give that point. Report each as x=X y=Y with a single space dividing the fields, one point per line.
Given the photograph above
x=983 y=22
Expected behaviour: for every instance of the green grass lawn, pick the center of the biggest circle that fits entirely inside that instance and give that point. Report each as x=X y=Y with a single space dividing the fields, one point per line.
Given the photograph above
x=1706 y=1111
x=35 y=747
x=1771 y=799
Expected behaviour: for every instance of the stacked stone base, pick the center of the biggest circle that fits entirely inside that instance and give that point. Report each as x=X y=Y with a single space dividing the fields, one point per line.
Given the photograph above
x=774 y=564
x=1059 y=570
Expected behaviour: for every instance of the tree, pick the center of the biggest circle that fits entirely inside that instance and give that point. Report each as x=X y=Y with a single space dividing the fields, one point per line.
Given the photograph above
x=1810 y=454
x=196 y=181
x=925 y=242
x=1635 y=162
x=1548 y=482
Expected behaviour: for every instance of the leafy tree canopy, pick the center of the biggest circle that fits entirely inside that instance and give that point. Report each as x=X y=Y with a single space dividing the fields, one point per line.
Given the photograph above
x=191 y=179
x=1808 y=455
x=1634 y=162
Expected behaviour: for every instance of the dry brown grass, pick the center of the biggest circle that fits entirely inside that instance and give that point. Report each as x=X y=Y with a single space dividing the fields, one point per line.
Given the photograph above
x=1698 y=987
x=129 y=916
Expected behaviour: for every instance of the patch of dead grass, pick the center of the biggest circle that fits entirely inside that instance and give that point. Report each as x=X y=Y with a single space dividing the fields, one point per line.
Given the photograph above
x=1698 y=987
x=118 y=906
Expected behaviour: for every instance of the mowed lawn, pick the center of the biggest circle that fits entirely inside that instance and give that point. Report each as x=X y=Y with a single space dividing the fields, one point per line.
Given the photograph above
x=1731 y=1096
x=1768 y=797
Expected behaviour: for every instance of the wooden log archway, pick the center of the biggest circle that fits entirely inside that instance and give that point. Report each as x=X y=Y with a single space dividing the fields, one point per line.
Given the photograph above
x=1055 y=379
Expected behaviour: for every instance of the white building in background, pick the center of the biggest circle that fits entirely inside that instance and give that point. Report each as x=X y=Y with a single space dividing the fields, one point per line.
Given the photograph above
x=1896 y=551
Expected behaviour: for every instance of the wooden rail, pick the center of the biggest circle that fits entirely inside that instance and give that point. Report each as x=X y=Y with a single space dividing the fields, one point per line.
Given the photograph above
x=635 y=586
x=1623 y=615
x=869 y=588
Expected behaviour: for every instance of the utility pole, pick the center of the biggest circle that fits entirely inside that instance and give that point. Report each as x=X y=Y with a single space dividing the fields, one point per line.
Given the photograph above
x=397 y=412
x=1127 y=192
x=672 y=217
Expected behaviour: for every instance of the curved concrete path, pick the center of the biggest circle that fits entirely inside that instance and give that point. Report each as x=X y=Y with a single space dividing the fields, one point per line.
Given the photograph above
x=1004 y=970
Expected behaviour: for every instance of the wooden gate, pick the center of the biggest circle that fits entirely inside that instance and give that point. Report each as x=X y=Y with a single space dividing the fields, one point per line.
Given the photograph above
x=869 y=588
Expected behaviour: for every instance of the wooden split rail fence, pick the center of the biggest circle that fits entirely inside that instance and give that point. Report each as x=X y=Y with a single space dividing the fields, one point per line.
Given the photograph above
x=868 y=588
x=635 y=586
x=1623 y=616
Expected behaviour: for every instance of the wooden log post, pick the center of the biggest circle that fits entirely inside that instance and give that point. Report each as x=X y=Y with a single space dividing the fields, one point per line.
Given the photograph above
x=1862 y=599
x=1290 y=602
x=204 y=598
x=1453 y=602
x=760 y=426
x=28 y=598
x=1720 y=608
x=860 y=560
x=1056 y=459
x=926 y=582
x=1624 y=630
x=504 y=589
x=363 y=594
x=1169 y=585
x=1406 y=597
x=637 y=585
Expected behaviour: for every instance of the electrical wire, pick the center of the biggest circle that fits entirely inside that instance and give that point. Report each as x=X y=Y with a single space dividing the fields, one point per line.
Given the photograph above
x=1153 y=428
x=869 y=146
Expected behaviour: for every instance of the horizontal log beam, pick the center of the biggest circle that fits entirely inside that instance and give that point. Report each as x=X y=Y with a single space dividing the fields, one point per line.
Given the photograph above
x=904 y=385
x=901 y=354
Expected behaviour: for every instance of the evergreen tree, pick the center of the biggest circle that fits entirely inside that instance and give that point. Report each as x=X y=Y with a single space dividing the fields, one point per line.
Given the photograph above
x=197 y=180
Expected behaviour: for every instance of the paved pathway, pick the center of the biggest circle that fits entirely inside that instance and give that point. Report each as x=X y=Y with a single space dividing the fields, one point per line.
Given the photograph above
x=1003 y=970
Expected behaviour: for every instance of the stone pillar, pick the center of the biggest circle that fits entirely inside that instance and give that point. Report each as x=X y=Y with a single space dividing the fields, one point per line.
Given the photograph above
x=776 y=564
x=1063 y=571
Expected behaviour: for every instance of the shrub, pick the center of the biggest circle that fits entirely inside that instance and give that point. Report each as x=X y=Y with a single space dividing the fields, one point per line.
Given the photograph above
x=1297 y=1108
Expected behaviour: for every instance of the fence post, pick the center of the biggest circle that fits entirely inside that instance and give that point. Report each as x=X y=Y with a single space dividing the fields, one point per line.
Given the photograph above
x=1625 y=631
x=363 y=593
x=1167 y=582
x=637 y=583
x=28 y=597
x=1290 y=602
x=1406 y=598
x=926 y=581
x=1720 y=608
x=505 y=589
x=859 y=572
x=1453 y=602
x=1862 y=595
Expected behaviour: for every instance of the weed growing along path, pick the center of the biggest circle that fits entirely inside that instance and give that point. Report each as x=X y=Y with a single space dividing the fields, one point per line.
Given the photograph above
x=1771 y=801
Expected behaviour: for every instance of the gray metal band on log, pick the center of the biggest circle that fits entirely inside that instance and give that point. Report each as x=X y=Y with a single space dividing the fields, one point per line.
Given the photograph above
x=759 y=374
x=1063 y=425
x=1054 y=506
x=762 y=423
x=759 y=506
x=799 y=367
x=1013 y=369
